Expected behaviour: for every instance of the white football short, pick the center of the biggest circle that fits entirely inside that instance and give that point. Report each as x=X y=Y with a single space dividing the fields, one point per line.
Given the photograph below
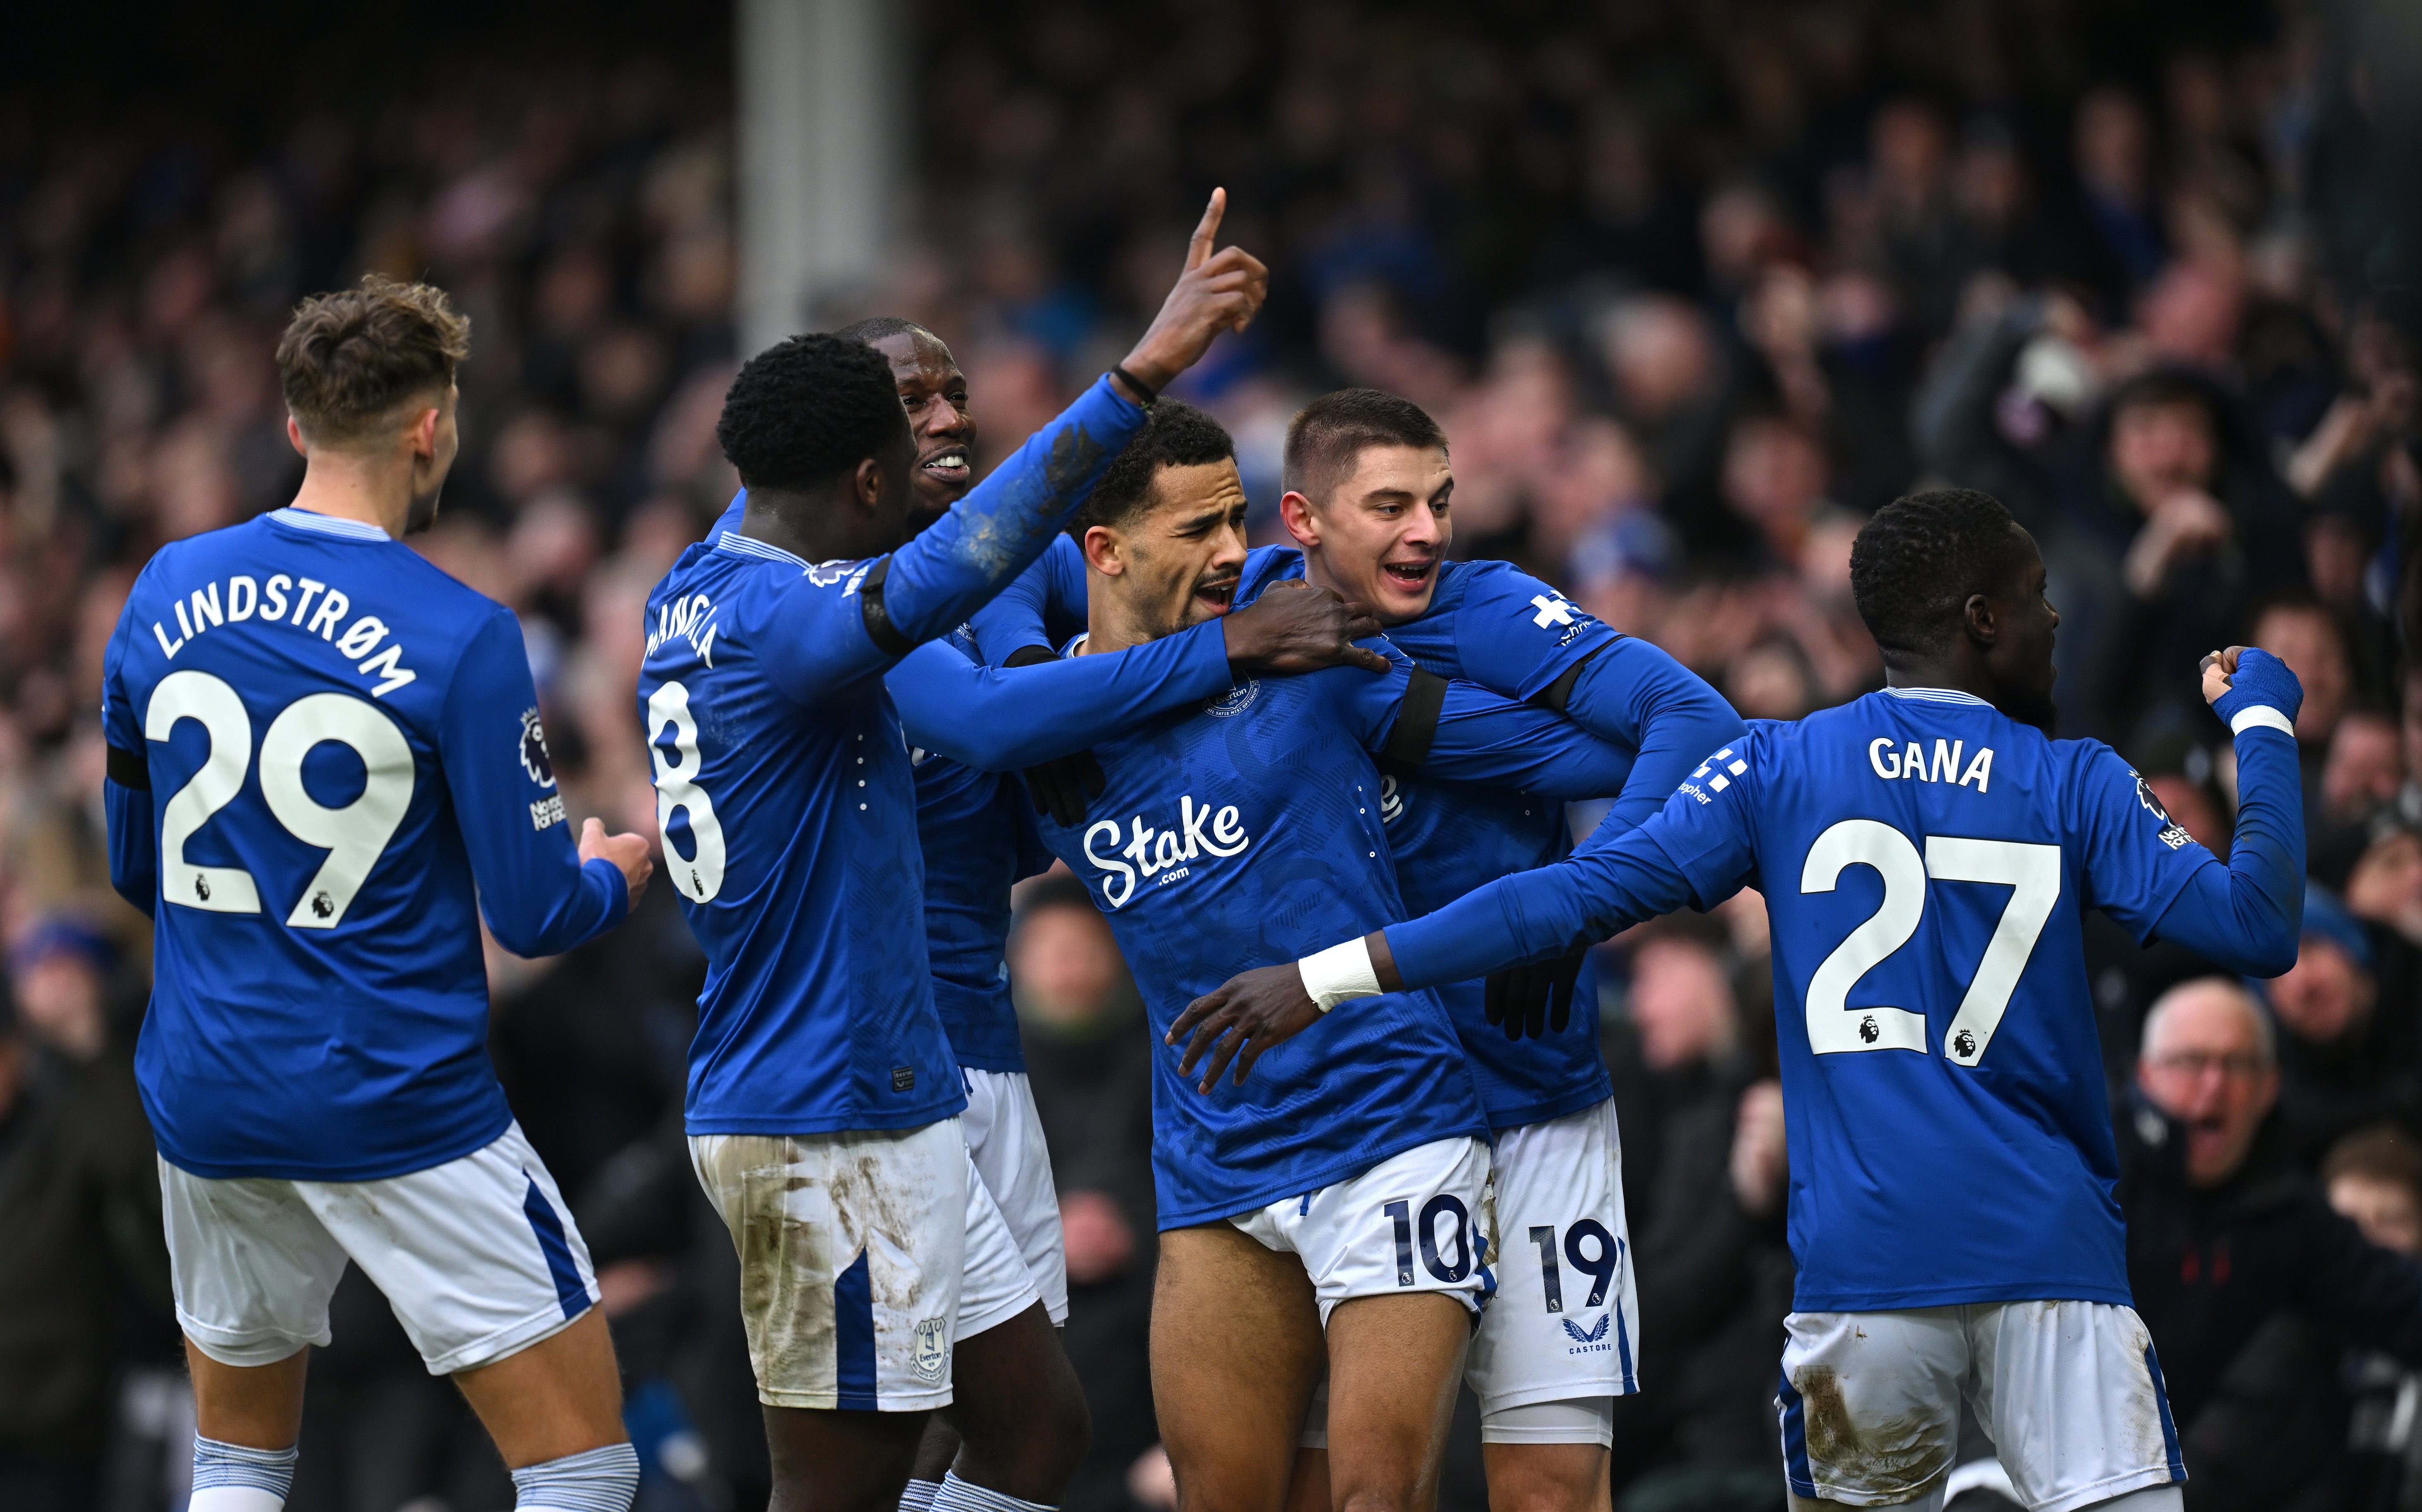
x=1005 y=1136
x=1416 y=1222
x=479 y=1257
x=1564 y=1323
x=2070 y=1393
x=853 y=1255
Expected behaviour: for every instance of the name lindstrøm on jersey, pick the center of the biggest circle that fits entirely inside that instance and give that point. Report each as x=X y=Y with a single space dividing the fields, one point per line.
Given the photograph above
x=316 y=610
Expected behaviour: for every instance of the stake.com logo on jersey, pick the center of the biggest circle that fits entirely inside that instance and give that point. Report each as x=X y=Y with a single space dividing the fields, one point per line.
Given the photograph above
x=1162 y=853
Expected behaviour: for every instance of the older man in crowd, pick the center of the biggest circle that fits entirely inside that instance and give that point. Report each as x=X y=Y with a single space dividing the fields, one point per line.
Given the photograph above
x=2249 y=1283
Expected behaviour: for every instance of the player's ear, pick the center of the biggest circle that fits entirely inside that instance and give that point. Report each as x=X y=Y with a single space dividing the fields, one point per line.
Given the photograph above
x=294 y=436
x=424 y=432
x=1977 y=618
x=868 y=482
x=1296 y=510
x=1100 y=544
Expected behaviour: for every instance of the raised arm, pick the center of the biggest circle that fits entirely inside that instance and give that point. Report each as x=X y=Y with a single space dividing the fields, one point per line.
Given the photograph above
x=538 y=894
x=1637 y=697
x=2247 y=916
x=931 y=585
x=934 y=582
x=1464 y=732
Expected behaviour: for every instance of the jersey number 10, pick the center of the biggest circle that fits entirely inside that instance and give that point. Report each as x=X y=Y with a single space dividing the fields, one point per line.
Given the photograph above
x=2031 y=873
x=354 y=835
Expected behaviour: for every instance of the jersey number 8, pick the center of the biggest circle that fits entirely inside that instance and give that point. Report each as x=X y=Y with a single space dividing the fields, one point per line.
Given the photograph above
x=354 y=835
x=2031 y=873
x=700 y=877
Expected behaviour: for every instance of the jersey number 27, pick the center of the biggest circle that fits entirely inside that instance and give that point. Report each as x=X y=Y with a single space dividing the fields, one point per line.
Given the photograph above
x=2031 y=873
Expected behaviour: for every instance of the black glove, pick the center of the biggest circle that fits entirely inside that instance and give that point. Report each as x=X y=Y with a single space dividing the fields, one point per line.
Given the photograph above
x=1060 y=787
x=1536 y=999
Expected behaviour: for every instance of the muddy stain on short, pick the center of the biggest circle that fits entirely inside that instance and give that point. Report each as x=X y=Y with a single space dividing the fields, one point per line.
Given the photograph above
x=1880 y=1456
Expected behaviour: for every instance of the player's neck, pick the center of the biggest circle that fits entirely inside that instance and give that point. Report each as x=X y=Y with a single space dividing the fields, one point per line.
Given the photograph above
x=1943 y=673
x=809 y=528
x=1110 y=626
x=368 y=489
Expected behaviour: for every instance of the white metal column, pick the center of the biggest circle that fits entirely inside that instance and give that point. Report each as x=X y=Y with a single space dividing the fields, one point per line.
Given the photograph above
x=824 y=145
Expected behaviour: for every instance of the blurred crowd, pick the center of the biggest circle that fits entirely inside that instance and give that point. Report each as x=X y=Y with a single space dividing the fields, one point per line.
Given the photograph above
x=1692 y=289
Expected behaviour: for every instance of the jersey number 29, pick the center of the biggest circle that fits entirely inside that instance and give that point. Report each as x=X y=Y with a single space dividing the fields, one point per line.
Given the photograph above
x=354 y=835
x=2031 y=873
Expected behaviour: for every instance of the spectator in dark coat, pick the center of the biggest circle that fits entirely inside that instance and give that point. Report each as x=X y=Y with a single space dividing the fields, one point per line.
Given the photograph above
x=1089 y=1055
x=2346 y=1053
x=2160 y=520
x=80 y=1203
x=1704 y=1178
x=2249 y=1283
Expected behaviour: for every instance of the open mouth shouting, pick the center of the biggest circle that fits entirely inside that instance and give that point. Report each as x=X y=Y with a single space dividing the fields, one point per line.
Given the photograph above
x=947 y=465
x=1216 y=596
x=1411 y=576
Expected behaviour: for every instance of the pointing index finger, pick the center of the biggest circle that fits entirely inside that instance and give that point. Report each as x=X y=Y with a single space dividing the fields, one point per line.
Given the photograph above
x=1198 y=251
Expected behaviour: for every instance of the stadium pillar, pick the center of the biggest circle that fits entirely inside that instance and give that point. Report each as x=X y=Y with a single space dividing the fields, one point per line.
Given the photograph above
x=823 y=143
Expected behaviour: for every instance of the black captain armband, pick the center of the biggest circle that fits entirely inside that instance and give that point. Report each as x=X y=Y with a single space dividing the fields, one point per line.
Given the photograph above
x=1409 y=743
x=1560 y=692
x=879 y=628
x=1031 y=656
x=130 y=768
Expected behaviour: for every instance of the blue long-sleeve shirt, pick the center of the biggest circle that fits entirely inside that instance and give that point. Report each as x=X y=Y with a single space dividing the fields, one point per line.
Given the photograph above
x=788 y=803
x=326 y=765
x=1925 y=861
x=1497 y=628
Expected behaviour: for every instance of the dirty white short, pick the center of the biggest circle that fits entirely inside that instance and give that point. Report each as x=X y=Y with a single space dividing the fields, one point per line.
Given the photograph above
x=1416 y=1222
x=853 y=1254
x=1564 y=1324
x=1005 y=1136
x=479 y=1257
x=2070 y=1393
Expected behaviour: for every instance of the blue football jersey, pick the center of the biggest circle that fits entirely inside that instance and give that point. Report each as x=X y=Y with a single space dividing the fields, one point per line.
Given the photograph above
x=788 y=801
x=326 y=761
x=1246 y=830
x=970 y=728
x=1925 y=861
x=1496 y=626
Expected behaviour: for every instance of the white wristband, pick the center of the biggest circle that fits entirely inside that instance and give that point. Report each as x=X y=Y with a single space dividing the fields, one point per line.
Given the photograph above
x=2261 y=717
x=1339 y=972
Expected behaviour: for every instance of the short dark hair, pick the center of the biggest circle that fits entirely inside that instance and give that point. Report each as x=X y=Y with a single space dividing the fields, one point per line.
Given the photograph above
x=1174 y=435
x=882 y=328
x=2165 y=388
x=1917 y=561
x=807 y=410
x=348 y=359
x=2383 y=1152
x=1328 y=434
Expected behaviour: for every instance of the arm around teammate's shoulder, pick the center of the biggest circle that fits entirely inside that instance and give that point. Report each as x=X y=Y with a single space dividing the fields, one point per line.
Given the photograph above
x=1000 y=720
x=539 y=892
x=1636 y=695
